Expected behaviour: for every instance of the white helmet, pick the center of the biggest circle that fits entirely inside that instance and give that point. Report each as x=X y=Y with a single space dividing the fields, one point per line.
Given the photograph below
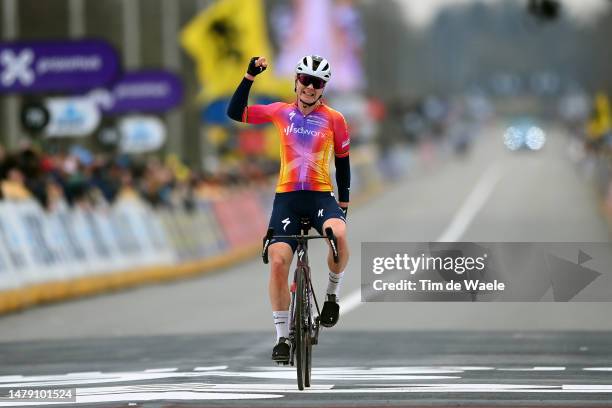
x=314 y=65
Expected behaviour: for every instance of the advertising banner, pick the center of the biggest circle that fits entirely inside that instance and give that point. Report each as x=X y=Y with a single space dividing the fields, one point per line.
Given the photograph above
x=210 y=232
x=31 y=67
x=62 y=241
x=141 y=134
x=147 y=234
x=144 y=91
x=7 y=277
x=77 y=116
x=241 y=218
x=10 y=239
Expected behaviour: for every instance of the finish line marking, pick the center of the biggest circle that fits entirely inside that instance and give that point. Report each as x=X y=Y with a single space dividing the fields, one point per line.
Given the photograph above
x=204 y=391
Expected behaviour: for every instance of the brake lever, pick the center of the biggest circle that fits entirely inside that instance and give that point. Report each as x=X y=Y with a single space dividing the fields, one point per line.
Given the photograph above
x=266 y=244
x=333 y=241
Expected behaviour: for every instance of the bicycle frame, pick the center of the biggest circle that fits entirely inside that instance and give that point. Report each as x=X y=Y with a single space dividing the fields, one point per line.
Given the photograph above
x=304 y=268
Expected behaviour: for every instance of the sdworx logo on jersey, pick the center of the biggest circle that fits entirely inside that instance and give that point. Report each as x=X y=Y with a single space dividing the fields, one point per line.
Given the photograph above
x=301 y=131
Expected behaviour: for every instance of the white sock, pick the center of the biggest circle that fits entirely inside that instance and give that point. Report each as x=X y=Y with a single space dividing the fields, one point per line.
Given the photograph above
x=281 y=322
x=333 y=287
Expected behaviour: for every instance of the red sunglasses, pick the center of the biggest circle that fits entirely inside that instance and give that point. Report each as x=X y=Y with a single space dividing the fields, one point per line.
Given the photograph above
x=306 y=80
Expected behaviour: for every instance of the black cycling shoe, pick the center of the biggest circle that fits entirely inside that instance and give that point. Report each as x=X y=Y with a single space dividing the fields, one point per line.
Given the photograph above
x=280 y=352
x=330 y=312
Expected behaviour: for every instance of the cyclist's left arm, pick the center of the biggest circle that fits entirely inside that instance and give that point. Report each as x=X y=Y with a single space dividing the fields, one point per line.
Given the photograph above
x=342 y=162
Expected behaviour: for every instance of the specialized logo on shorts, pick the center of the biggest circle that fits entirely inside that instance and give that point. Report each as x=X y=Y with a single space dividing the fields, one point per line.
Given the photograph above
x=17 y=67
x=286 y=222
x=320 y=212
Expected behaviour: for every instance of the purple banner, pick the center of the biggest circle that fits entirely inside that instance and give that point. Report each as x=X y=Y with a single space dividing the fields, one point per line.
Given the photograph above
x=29 y=67
x=145 y=91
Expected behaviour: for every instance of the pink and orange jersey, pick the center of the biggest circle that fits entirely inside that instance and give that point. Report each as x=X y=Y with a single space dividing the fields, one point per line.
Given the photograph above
x=307 y=143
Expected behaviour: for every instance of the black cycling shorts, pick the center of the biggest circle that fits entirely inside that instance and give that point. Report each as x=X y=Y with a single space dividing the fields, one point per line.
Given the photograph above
x=290 y=207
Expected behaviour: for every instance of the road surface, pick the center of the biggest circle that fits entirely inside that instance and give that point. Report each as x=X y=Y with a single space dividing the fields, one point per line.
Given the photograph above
x=206 y=341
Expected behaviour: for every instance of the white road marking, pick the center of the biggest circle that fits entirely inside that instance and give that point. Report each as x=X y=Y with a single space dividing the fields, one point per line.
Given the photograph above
x=341 y=371
x=335 y=377
x=149 y=396
x=472 y=205
x=235 y=391
x=533 y=369
x=63 y=379
x=549 y=368
x=290 y=375
x=84 y=373
x=457 y=227
x=350 y=302
x=588 y=388
x=10 y=378
x=212 y=368
x=161 y=370
x=597 y=369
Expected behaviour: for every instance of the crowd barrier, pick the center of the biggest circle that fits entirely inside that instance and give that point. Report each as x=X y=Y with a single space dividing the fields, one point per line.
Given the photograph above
x=595 y=165
x=602 y=177
x=70 y=252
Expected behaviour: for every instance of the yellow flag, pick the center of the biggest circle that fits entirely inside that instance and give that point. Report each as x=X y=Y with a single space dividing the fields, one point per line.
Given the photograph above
x=222 y=39
x=601 y=122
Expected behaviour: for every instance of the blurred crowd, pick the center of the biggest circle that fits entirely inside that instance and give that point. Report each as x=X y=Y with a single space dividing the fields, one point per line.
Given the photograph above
x=80 y=178
x=590 y=123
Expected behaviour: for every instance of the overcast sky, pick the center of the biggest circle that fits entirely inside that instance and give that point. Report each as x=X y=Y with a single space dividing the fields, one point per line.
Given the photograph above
x=421 y=12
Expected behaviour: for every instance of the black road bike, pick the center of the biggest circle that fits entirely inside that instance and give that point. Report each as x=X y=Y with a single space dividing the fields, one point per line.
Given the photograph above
x=305 y=324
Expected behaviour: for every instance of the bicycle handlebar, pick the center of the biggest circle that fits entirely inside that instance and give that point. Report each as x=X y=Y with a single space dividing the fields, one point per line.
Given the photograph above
x=329 y=235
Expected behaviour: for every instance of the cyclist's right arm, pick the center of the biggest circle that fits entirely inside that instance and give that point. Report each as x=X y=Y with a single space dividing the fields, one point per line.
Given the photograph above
x=238 y=104
x=237 y=109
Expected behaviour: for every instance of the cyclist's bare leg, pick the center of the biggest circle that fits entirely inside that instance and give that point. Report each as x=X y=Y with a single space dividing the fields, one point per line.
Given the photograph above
x=280 y=255
x=339 y=228
x=331 y=308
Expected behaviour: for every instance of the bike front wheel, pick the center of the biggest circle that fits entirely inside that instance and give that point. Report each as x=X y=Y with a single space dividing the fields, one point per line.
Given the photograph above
x=302 y=335
x=307 y=358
